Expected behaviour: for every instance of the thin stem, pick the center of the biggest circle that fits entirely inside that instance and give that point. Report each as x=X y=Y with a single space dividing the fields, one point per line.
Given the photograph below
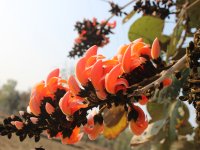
x=123 y=7
x=177 y=66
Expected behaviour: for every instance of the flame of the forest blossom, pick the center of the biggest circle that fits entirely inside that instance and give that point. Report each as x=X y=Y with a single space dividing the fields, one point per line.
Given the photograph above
x=140 y=124
x=96 y=81
x=19 y=125
x=49 y=108
x=74 y=138
x=34 y=120
x=93 y=129
x=69 y=104
x=155 y=50
x=43 y=89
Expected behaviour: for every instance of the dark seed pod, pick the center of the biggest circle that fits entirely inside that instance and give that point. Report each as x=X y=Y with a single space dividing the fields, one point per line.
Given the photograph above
x=22 y=137
x=9 y=135
x=37 y=138
x=133 y=114
x=178 y=75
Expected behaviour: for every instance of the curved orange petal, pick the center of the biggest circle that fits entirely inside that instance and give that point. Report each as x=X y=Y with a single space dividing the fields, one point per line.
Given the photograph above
x=97 y=74
x=34 y=120
x=137 y=40
x=97 y=129
x=155 y=50
x=126 y=60
x=96 y=79
x=92 y=60
x=74 y=138
x=19 y=125
x=80 y=71
x=64 y=104
x=144 y=51
x=34 y=107
x=111 y=78
x=135 y=47
x=121 y=52
x=73 y=85
x=135 y=128
x=49 y=108
x=54 y=73
x=76 y=103
x=91 y=51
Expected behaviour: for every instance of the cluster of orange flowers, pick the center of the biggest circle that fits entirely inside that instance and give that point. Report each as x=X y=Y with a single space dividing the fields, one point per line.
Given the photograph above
x=61 y=107
x=91 y=32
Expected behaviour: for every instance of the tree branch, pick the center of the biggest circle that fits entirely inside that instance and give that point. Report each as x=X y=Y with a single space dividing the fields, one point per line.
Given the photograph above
x=177 y=66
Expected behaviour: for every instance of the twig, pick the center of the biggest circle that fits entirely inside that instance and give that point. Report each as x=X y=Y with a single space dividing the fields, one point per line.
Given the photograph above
x=177 y=66
x=126 y=5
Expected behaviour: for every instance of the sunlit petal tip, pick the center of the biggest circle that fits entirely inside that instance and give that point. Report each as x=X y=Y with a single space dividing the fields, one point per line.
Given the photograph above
x=34 y=120
x=28 y=109
x=92 y=51
x=54 y=73
x=19 y=125
x=144 y=51
x=49 y=108
x=167 y=82
x=137 y=40
x=34 y=107
x=13 y=123
x=73 y=85
x=80 y=71
x=126 y=60
x=155 y=50
x=97 y=74
x=64 y=104
x=21 y=113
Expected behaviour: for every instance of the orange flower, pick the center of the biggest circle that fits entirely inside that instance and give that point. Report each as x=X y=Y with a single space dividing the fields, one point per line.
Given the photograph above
x=93 y=129
x=73 y=85
x=143 y=100
x=19 y=125
x=69 y=104
x=74 y=138
x=131 y=58
x=140 y=124
x=49 y=108
x=42 y=90
x=167 y=82
x=81 y=72
x=112 y=80
x=155 y=50
x=37 y=95
x=97 y=79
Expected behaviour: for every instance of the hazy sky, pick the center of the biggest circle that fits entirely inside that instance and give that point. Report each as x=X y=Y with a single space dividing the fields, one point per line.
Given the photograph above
x=36 y=35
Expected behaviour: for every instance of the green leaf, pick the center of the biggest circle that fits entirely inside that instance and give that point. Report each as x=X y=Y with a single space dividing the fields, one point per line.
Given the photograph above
x=175 y=38
x=154 y=107
x=128 y=17
x=148 y=28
